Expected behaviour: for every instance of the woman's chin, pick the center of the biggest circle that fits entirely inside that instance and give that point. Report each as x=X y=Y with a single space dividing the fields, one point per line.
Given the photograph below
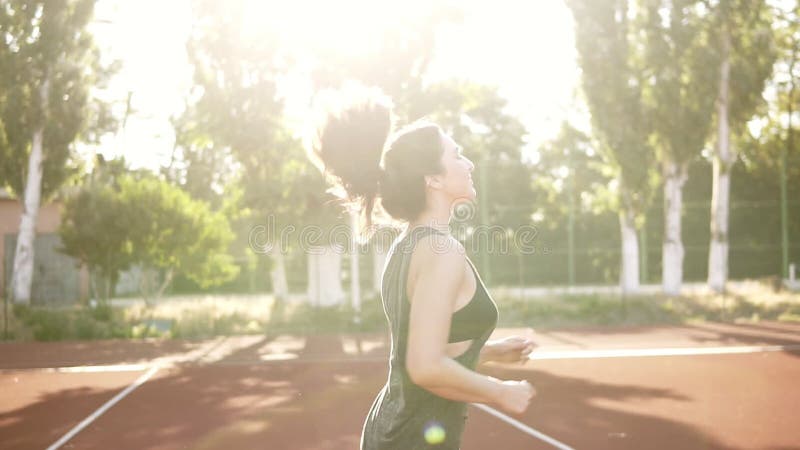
x=469 y=196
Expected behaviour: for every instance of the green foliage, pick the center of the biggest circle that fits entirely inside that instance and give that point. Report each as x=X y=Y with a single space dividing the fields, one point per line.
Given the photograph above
x=752 y=53
x=681 y=78
x=611 y=57
x=139 y=219
x=220 y=316
x=171 y=231
x=201 y=169
x=777 y=131
x=569 y=166
x=47 y=40
x=234 y=149
x=94 y=229
x=74 y=323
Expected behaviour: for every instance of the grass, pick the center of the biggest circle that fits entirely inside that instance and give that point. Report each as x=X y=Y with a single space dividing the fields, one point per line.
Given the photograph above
x=56 y=324
x=201 y=316
x=744 y=302
x=190 y=317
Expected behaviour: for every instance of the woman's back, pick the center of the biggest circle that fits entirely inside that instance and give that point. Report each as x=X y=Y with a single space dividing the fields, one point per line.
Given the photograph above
x=403 y=411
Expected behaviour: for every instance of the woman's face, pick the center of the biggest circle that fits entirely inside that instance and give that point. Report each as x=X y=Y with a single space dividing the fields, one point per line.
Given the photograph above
x=456 y=180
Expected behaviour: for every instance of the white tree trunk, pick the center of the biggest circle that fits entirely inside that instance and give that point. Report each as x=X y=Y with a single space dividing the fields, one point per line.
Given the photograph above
x=672 y=254
x=325 y=276
x=22 y=273
x=723 y=160
x=629 y=270
x=280 y=286
x=718 y=250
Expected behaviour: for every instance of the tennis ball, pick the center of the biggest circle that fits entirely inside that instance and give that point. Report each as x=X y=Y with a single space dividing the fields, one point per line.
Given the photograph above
x=434 y=434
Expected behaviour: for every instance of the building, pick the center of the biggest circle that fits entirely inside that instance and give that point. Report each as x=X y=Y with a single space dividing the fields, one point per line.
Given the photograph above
x=57 y=278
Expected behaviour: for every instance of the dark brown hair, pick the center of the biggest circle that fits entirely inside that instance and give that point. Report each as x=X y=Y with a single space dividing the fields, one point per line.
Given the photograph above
x=367 y=167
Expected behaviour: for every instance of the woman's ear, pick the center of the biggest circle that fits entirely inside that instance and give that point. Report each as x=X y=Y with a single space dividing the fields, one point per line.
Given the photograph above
x=433 y=181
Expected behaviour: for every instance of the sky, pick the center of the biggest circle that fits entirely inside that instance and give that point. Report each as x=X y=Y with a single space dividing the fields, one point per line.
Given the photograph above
x=524 y=48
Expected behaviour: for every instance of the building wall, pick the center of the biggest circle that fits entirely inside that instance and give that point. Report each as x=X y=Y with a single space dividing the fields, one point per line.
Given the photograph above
x=47 y=221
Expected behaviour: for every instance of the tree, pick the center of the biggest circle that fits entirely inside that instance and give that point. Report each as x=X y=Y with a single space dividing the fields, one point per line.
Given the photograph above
x=744 y=42
x=173 y=233
x=571 y=182
x=235 y=121
x=147 y=222
x=610 y=55
x=679 y=97
x=198 y=166
x=773 y=146
x=49 y=64
x=94 y=227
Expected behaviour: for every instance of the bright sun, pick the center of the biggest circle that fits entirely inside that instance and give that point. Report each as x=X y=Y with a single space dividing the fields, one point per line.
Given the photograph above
x=344 y=27
x=525 y=49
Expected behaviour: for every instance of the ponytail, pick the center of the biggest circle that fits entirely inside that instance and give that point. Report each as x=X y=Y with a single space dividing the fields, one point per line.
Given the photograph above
x=347 y=144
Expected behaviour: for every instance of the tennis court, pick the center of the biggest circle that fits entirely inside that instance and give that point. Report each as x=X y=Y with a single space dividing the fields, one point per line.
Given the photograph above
x=706 y=386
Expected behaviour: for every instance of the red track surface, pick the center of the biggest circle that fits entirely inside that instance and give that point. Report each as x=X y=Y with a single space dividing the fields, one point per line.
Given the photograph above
x=242 y=393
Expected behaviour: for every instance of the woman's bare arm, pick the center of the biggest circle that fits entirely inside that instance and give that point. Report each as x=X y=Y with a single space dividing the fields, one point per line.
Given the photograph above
x=439 y=265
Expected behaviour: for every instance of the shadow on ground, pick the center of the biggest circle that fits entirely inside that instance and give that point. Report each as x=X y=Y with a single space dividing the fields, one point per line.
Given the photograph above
x=315 y=404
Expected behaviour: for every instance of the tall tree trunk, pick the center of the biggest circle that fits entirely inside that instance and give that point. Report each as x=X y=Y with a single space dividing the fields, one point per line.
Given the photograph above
x=325 y=276
x=720 y=196
x=280 y=286
x=164 y=284
x=146 y=282
x=672 y=255
x=95 y=292
x=629 y=270
x=22 y=274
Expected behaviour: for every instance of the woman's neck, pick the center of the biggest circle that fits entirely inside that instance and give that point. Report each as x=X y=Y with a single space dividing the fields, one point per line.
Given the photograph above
x=439 y=221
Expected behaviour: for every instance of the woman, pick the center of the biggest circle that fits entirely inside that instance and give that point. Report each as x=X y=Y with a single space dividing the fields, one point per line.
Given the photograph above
x=439 y=312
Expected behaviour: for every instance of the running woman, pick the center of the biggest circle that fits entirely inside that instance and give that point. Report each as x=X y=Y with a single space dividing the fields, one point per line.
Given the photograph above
x=439 y=311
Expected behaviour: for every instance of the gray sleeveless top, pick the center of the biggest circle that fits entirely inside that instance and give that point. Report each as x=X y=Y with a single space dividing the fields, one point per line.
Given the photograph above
x=402 y=410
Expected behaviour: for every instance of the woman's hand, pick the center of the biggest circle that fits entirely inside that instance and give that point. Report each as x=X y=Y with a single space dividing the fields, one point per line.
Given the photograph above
x=515 y=396
x=509 y=350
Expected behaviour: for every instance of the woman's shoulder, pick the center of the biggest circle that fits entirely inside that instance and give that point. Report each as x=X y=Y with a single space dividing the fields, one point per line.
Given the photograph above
x=438 y=258
x=436 y=248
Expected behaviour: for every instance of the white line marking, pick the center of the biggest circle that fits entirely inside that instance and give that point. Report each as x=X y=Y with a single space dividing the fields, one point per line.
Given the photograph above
x=109 y=368
x=85 y=422
x=522 y=427
x=83 y=369
x=642 y=352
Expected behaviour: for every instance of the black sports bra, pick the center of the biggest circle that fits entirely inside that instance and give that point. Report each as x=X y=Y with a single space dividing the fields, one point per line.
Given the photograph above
x=473 y=320
x=476 y=317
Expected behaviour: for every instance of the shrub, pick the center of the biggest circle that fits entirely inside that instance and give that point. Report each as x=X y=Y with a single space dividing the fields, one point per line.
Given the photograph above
x=55 y=324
